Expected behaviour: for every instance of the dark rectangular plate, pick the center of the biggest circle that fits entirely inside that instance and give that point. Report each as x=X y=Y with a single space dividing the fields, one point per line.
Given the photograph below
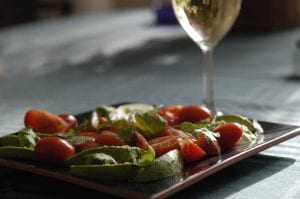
x=274 y=134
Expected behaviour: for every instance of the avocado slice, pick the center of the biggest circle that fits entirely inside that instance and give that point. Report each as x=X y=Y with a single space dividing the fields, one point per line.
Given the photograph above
x=121 y=154
x=10 y=140
x=166 y=165
x=15 y=152
x=238 y=119
x=104 y=172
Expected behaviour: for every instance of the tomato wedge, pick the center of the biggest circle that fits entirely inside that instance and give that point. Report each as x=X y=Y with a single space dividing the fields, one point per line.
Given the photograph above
x=211 y=147
x=191 y=151
x=171 y=114
x=89 y=145
x=230 y=133
x=45 y=122
x=109 y=138
x=140 y=141
x=70 y=119
x=53 y=150
x=162 y=145
x=194 y=113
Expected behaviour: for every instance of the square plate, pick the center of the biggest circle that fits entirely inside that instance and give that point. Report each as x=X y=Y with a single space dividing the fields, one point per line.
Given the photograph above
x=273 y=134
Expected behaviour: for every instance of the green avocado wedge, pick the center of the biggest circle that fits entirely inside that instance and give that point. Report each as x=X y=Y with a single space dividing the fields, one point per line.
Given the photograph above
x=166 y=165
x=10 y=140
x=15 y=152
x=104 y=172
x=162 y=167
x=121 y=154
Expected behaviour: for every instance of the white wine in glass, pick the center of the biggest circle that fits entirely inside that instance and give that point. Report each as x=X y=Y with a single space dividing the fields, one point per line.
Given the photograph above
x=207 y=22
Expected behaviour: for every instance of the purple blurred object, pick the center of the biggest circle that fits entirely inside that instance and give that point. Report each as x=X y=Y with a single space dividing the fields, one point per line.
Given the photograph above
x=164 y=13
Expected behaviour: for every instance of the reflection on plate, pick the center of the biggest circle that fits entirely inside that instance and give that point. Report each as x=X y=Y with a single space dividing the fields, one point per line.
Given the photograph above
x=274 y=134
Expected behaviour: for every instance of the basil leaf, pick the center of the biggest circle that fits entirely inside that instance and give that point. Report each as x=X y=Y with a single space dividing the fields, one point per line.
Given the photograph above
x=126 y=135
x=27 y=138
x=200 y=129
x=77 y=140
x=150 y=124
x=104 y=111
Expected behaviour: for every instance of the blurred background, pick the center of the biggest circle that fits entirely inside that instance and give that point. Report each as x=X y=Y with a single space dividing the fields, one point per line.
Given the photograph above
x=257 y=14
x=15 y=11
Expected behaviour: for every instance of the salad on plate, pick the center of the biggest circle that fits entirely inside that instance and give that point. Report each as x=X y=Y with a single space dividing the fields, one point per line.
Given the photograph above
x=131 y=142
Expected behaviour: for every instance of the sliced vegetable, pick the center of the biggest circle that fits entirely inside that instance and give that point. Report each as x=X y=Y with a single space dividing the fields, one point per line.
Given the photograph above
x=123 y=171
x=150 y=124
x=99 y=159
x=166 y=165
x=192 y=152
x=238 y=119
x=45 y=122
x=53 y=150
x=162 y=145
x=109 y=138
x=17 y=153
x=230 y=133
x=194 y=113
x=120 y=153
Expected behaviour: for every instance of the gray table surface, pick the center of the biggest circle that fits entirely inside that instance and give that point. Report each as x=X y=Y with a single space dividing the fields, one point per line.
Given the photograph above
x=74 y=64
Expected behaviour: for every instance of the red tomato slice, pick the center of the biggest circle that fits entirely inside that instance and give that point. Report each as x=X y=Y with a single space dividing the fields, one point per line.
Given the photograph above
x=230 y=133
x=191 y=152
x=194 y=113
x=140 y=141
x=45 y=122
x=162 y=145
x=171 y=114
x=211 y=147
x=172 y=131
x=110 y=139
x=70 y=119
x=89 y=145
x=53 y=150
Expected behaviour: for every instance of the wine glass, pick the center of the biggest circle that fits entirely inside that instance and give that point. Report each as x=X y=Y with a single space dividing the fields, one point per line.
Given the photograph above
x=207 y=22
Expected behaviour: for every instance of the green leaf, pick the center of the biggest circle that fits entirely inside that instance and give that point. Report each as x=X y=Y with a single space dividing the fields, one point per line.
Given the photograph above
x=199 y=129
x=27 y=138
x=208 y=124
x=85 y=124
x=150 y=124
x=126 y=135
x=104 y=111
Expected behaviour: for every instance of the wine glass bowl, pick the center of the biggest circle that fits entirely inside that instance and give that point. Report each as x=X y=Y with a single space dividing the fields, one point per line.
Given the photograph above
x=207 y=22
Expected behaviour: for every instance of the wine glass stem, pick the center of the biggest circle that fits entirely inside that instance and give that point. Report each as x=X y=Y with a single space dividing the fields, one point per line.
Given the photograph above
x=208 y=80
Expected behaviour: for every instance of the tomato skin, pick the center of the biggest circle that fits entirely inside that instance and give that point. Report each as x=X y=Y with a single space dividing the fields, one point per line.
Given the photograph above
x=109 y=138
x=173 y=131
x=230 y=133
x=162 y=145
x=140 y=141
x=211 y=147
x=70 y=119
x=45 y=122
x=171 y=114
x=191 y=151
x=89 y=145
x=194 y=113
x=53 y=150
